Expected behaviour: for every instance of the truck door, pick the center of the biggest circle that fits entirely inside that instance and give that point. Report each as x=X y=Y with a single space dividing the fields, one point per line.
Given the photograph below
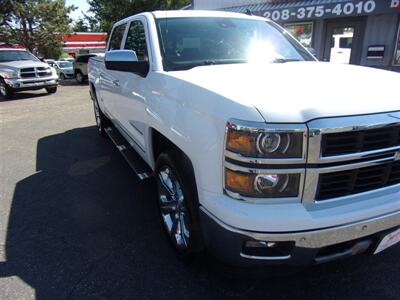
x=110 y=88
x=130 y=104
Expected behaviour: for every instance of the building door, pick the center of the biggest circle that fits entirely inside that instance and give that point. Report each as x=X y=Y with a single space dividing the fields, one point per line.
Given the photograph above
x=344 y=41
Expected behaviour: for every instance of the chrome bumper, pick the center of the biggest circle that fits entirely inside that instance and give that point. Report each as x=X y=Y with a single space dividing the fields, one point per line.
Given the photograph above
x=322 y=237
x=18 y=83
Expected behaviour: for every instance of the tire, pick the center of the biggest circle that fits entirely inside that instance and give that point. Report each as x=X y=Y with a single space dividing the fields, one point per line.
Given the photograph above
x=51 y=90
x=5 y=91
x=178 y=204
x=102 y=121
x=79 y=77
x=62 y=76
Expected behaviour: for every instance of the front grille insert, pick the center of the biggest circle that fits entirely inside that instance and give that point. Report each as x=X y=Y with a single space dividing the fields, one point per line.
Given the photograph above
x=342 y=143
x=350 y=182
x=35 y=72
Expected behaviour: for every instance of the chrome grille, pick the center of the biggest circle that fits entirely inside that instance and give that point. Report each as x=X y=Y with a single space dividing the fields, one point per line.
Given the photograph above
x=349 y=182
x=35 y=72
x=351 y=155
x=360 y=141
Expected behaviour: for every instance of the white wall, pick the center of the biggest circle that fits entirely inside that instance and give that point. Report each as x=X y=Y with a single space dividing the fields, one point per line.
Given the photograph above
x=215 y=4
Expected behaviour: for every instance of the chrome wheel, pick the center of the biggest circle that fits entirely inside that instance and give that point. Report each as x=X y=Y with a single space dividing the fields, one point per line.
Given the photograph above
x=97 y=114
x=173 y=208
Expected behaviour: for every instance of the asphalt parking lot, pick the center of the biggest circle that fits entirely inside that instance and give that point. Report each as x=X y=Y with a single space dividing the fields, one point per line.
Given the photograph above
x=75 y=223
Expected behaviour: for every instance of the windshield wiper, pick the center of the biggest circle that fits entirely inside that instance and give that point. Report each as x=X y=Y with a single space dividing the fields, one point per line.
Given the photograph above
x=284 y=60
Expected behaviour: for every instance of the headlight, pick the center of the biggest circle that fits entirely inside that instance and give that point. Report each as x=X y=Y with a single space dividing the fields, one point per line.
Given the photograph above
x=262 y=140
x=264 y=161
x=9 y=74
x=268 y=185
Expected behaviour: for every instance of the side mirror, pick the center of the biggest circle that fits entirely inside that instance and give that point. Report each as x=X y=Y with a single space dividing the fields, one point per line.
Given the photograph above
x=126 y=61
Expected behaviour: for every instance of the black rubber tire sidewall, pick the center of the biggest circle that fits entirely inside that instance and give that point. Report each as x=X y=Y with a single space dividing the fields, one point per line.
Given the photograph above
x=81 y=75
x=175 y=161
x=9 y=92
x=51 y=90
x=104 y=121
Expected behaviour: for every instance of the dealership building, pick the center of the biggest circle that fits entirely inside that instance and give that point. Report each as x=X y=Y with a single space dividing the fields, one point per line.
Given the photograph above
x=362 y=32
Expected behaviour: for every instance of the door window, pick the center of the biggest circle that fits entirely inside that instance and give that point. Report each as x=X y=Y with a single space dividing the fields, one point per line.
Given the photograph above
x=136 y=40
x=116 y=37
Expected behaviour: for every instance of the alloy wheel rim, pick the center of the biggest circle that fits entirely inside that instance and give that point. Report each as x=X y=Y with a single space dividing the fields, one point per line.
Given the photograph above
x=172 y=207
x=79 y=77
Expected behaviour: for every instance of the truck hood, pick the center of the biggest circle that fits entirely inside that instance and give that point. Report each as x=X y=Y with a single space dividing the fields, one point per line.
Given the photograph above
x=19 y=64
x=300 y=91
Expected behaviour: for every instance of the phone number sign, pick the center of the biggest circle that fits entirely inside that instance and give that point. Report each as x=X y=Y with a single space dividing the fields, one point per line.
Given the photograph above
x=332 y=10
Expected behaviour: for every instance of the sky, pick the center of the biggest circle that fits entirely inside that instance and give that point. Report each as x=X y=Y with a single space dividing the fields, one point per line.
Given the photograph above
x=82 y=5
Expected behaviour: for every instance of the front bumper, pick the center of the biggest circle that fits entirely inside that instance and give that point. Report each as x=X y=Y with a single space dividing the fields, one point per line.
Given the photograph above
x=305 y=247
x=18 y=84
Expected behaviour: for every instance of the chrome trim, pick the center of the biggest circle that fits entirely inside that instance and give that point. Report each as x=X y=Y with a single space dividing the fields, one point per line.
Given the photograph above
x=321 y=237
x=263 y=161
x=256 y=127
x=312 y=178
x=319 y=127
x=286 y=257
x=255 y=200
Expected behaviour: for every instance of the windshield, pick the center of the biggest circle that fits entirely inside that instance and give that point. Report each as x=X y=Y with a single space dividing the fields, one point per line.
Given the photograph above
x=64 y=64
x=191 y=42
x=11 y=55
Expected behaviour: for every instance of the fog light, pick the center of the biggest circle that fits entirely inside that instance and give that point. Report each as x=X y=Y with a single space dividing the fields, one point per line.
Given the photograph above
x=268 y=249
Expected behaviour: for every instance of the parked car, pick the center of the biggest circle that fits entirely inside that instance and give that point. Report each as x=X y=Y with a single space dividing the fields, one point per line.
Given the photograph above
x=70 y=59
x=22 y=71
x=50 y=62
x=64 y=69
x=80 y=67
x=253 y=163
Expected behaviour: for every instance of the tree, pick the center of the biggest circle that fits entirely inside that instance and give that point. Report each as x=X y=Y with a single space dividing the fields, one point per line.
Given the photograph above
x=106 y=12
x=80 y=26
x=38 y=25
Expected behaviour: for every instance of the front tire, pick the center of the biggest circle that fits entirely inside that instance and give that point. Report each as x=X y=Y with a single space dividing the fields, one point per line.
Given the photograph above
x=62 y=76
x=51 y=90
x=5 y=91
x=178 y=204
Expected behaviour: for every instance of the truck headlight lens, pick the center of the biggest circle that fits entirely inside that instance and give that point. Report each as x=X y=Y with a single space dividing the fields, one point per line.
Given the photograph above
x=262 y=143
x=262 y=185
x=9 y=74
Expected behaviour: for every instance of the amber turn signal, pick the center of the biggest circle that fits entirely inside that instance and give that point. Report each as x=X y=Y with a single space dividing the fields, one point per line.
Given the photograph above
x=241 y=142
x=238 y=182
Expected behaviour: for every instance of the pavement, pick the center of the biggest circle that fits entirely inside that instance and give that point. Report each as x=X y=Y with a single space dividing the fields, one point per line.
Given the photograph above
x=75 y=223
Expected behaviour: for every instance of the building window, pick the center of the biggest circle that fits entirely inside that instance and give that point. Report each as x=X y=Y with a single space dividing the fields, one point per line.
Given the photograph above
x=303 y=32
x=396 y=60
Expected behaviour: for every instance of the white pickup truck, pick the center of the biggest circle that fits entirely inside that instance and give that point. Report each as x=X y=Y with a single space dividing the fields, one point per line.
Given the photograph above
x=22 y=71
x=259 y=158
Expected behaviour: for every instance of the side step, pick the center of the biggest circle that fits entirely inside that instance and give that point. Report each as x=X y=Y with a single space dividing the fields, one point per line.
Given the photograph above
x=138 y=165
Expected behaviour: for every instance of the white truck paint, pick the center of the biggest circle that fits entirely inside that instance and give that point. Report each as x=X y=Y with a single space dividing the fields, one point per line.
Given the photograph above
x=191 y=108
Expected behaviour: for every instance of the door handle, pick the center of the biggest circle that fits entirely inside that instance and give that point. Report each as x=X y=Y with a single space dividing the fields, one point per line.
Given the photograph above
x=116 y=82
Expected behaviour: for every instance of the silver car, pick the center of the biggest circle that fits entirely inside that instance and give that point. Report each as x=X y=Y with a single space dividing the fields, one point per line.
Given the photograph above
x=64 y=69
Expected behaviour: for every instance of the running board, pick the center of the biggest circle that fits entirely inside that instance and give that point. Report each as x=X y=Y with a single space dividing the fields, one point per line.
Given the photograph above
x=138 y=165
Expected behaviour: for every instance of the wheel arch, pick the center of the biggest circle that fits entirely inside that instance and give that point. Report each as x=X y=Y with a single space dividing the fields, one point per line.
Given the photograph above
x=160 y=143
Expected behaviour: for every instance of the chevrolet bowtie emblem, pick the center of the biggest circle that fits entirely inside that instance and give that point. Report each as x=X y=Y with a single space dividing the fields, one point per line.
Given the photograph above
x=397 y=156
